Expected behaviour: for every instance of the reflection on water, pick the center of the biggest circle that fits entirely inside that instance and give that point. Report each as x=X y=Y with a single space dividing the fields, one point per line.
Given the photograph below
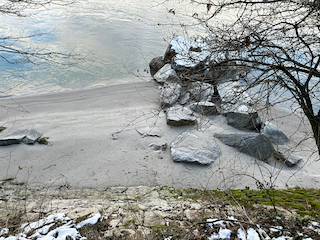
x=116 y=36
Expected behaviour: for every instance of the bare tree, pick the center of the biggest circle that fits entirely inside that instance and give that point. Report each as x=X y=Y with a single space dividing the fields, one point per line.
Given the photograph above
x=277 y=41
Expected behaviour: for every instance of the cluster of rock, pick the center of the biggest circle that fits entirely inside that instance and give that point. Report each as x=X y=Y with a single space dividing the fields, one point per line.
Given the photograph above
x=192 y=86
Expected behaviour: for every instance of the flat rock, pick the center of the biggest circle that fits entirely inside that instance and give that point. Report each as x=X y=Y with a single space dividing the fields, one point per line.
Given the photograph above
x=28 y=136
x=180 y=116
x=253 y=144
x=195 y=147
x=154 y=218
x=276 y=136
x=166 y=74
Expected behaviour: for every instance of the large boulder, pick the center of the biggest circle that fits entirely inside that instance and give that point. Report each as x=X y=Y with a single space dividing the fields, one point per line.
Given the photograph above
x=170 y=94
x=195 y=147
x=244 y=121
x=287 y=155
x=155 y=65
x=180 y=116
x=276 y=136
x=166 y=74
x=27 y=136
x=253 y=144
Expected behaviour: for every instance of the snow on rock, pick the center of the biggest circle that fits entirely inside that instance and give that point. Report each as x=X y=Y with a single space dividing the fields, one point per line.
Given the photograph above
x=4 y=231
x=28 y=227
x=252 y=234
x=92 y=220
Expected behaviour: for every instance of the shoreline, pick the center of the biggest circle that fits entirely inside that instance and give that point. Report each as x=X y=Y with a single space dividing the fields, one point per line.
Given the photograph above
x=82 y=152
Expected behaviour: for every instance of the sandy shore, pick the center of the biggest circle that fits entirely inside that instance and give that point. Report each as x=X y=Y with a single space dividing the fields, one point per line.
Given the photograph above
x=83 y=151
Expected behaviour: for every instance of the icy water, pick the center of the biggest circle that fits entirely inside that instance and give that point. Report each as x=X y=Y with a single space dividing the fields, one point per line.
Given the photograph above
x=117 y=37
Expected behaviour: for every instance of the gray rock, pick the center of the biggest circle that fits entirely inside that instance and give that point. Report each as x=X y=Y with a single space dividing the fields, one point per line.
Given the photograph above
x=170 y=94
x=188 y=55
x=166 y=74
x=253 y=144
x=9 y=141
x=169 y=54
x=195 y=147
x=155 y=65
x=185 y=98
x=234 y=98
x=224 y=108
x=29 y=136
x=200 y=91
x=276 y=136
x=204 y=108
x=288 y=156
x=221 y=72
x=180 y=116
x=244 y=121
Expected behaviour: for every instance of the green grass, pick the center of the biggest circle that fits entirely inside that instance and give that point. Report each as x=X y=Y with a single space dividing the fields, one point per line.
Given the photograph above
x=43 y=140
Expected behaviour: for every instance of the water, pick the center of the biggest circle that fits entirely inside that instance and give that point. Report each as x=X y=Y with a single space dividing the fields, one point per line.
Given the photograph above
x=117 y=37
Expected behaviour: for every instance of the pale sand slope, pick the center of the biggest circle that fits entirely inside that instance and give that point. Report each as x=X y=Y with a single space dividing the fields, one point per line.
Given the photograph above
x=82 y=152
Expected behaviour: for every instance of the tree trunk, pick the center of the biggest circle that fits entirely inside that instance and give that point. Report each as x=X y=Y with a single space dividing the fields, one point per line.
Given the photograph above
x=315 y=124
